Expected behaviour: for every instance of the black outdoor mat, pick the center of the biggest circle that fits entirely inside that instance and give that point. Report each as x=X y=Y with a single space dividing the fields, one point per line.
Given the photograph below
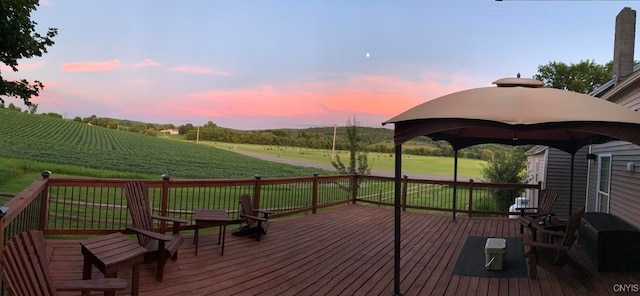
x=471 y=259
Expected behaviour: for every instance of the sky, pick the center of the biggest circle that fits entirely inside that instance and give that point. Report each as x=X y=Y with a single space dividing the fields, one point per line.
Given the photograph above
x=267 y=64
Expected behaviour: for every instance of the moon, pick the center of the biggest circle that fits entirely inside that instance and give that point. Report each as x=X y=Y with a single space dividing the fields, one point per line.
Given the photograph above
x=367 y=55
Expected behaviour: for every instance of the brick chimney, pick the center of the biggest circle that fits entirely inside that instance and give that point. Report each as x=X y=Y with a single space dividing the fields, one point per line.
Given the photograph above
x=624 y=44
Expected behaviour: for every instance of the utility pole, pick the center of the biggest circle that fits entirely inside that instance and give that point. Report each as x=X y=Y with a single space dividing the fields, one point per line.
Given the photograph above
x=198 y=135
x=333 y=150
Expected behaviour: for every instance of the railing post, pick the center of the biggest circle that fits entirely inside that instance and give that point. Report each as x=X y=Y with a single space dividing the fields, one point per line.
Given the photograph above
x=256 y=191
x=470 y=204
x=354 y=188
x=3 y=211
x=44 y=207
x=405 y=185
x=165 y=199
x=314 y=197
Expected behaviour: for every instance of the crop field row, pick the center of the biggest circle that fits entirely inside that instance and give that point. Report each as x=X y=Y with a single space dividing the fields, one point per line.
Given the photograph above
x=47 y=139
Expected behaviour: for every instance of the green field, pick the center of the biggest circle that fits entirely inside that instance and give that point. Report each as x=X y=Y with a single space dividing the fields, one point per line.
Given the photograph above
x=33 y=143
x=411 y=164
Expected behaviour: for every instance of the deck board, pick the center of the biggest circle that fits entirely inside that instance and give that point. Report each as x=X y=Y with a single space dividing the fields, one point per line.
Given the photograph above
x=347 y=250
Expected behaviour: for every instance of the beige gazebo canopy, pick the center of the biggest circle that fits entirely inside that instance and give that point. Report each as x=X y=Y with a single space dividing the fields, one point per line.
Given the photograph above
x=518 y=111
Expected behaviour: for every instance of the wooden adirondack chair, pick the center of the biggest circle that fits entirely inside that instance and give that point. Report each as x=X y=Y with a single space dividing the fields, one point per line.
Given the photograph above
x=547 y=198
x=26 y=270
x=256 y=225
x=159 y=246
x=557 y=252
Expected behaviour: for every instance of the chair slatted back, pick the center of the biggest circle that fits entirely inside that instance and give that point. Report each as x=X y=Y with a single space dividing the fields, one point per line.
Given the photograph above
x=137 y=194
x=548 y=197
x=247 y=209
x=573 y=224
x=25 y=266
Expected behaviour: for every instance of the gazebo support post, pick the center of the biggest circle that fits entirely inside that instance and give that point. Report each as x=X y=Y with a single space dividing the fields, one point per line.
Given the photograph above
x=455 y=182
x=396 y=222
x=573 y=156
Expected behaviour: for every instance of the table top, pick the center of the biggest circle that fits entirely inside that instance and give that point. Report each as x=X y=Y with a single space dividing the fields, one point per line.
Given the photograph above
x=112 y=248
x=203 y=215
x=554 y=223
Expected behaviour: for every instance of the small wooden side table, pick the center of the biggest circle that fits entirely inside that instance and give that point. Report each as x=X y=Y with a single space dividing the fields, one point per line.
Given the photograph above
x=541 y=225
x=110 y=253
x=211 y=218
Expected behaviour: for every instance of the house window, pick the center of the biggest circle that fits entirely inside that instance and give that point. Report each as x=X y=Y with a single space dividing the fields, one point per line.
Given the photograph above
x=604 y=183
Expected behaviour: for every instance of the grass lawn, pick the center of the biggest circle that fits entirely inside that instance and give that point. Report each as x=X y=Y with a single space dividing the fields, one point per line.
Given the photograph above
x=429 y=165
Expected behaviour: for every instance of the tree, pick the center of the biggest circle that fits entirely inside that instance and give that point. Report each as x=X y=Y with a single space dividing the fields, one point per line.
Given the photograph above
x=506 y=167
x=13 y=107
x=183 y=129
x=358 y=160
x=20 y=41
x=582 y=77
x=33 y=108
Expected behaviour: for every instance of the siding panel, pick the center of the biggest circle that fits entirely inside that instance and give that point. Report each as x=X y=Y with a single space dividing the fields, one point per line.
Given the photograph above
x=558 y=176
x=625 y=185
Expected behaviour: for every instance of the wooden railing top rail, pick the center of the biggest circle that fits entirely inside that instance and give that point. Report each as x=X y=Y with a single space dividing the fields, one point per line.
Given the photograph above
x=19 y=202
x=98 y=182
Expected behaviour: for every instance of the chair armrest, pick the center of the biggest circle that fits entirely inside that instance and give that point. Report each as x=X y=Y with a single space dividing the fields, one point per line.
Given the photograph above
x=265 y=212
x=108 y=284
x=546 y=245
x=526 y=208
x=170 y=219
x=253 y=217
x=536 y=215
x=529 y=210
x=151 y=234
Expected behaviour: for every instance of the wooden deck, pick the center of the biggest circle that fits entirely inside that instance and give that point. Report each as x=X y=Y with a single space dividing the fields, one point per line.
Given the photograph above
x=342 y=251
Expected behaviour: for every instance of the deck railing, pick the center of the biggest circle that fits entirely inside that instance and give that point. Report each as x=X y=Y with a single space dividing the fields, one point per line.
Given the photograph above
x=76 y=206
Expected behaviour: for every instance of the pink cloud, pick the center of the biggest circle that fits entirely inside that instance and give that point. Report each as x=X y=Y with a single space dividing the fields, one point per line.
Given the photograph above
x=49 y=84
x=49 y=100
x=22 y=66
x=50 y=96
x=106 y=65
x=91 y=66
x=370 y=98
x=139 y=82
x=198 y=70
x=145 y=63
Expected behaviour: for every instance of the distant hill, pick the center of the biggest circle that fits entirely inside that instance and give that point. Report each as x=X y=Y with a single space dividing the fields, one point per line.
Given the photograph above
x=50 y=139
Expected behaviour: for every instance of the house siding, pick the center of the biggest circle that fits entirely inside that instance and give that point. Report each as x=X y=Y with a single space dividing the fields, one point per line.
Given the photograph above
x=625 y=185
x=624 y=197
x=558 y=176
x=536 y=169
x=629 y=98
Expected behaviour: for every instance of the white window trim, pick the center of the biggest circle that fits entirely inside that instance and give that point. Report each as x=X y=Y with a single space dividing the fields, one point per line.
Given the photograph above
x=598 y=191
